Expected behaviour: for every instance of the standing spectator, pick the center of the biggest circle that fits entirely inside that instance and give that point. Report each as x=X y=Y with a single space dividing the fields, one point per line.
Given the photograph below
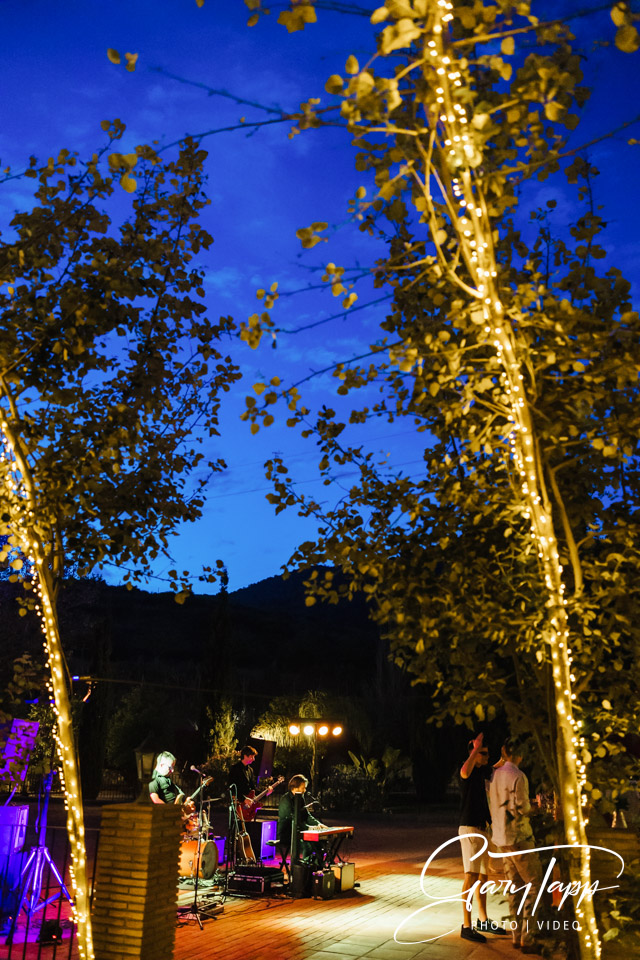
x=510 y=808
x=475 y=818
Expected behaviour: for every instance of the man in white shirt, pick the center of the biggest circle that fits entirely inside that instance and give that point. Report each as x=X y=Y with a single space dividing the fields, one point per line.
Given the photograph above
x=511 y=829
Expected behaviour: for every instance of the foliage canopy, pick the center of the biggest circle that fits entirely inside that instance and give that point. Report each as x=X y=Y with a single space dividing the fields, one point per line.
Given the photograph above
x=111 y=370
x=506 y=574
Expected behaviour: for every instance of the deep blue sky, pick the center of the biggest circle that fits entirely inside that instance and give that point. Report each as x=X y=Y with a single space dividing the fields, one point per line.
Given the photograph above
x=58 y=85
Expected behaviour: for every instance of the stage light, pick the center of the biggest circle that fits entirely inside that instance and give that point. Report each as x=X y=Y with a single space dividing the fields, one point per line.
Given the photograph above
x=323 y=730
x=294 y=729
x=337 y=730
x=309 y=729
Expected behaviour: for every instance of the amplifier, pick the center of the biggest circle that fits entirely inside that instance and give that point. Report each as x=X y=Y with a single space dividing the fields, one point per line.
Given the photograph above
x=260 y=833
x=261 y=882
x=323 y=884
x=345 y=874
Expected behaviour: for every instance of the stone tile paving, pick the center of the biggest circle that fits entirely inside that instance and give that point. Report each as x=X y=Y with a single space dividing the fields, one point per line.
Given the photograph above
x=353 y=926
x=358 y=925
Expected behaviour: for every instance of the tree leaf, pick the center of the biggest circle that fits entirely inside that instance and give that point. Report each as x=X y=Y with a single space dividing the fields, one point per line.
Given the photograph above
x=398 y=36
x=379 y=15
x=619 y=14
x=508 y=46
x=297 y=18
x=627 y=38
x=128 y=183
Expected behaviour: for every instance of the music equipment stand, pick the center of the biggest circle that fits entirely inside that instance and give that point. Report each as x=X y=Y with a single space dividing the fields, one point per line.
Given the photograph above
x=195 y=911
x=32 y=873
x=233 y=834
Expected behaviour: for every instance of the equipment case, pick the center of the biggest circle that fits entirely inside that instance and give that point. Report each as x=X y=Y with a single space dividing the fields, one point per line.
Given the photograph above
x=323 y=884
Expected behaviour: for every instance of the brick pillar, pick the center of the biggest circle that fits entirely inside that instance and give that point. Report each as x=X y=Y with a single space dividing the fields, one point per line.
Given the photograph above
x=134 y=902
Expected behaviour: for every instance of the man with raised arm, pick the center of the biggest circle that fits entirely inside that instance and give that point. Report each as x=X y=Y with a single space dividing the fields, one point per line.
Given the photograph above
x=475 y=819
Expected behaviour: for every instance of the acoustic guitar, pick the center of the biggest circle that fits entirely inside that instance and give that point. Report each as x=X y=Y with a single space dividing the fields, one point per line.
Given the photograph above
x=244 y=850
x=248 y=808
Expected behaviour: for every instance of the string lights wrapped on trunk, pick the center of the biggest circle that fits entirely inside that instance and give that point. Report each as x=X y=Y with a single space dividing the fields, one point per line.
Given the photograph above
x=20 y=509
x=451 y=148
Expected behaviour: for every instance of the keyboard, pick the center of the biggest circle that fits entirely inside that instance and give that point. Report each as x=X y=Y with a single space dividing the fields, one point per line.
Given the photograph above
x=319 y=833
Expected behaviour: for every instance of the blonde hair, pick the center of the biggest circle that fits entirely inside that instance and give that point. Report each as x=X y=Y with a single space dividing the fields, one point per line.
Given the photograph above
x=165 y=755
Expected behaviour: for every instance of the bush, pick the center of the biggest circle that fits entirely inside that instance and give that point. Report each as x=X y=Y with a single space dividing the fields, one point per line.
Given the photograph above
x=345 y=788
x=365 y=784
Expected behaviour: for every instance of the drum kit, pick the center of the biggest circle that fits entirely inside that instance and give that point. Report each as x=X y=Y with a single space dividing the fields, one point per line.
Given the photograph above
x=198 y=861
x=197 y=843
x=199 y=854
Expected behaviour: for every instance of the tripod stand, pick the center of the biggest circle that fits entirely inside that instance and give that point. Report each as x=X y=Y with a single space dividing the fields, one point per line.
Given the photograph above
x=32 y=873
x=195 y=911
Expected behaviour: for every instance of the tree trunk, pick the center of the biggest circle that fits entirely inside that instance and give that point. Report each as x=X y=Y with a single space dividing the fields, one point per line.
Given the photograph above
x=67 y=752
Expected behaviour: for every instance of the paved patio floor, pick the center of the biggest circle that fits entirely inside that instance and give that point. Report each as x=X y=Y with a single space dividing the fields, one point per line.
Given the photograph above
x=388 y=916
x=359 y=923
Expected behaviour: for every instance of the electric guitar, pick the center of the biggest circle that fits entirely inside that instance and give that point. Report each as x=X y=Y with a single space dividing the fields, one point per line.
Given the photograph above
x=247 y=808
x=189 y=816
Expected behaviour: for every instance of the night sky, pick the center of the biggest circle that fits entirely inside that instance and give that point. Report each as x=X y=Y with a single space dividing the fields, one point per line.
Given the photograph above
x=58 y=85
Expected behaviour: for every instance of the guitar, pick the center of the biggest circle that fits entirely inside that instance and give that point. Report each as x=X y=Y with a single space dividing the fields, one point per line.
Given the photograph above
x=247 y=808
x=189 y=815
x=244 y=850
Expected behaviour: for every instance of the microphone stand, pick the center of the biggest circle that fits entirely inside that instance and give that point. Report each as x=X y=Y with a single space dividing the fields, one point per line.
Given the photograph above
x=195 y=911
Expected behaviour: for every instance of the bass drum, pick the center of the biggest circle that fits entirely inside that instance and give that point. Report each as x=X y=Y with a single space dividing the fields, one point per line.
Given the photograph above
x=189 y=855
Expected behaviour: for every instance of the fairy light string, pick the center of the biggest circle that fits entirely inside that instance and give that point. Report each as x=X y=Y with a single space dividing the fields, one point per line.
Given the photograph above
x=20 y=497
x=453 y=139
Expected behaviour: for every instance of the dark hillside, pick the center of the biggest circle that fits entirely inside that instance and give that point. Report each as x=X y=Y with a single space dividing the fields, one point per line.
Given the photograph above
x=263 y=637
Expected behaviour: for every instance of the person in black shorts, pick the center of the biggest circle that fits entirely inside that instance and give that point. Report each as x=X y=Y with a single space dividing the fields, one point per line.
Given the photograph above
x=475 y=819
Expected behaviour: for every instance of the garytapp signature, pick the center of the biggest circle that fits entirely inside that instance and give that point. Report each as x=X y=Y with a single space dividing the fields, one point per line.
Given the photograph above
x=572 y=890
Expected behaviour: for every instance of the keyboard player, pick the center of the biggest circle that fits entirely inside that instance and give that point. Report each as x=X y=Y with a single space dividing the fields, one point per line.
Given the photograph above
x=295 y=797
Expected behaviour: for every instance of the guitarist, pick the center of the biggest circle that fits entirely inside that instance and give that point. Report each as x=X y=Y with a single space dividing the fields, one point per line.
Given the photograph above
x=242 y=777
x=162 y=789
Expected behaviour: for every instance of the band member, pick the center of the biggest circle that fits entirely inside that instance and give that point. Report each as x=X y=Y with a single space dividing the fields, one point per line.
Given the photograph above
x=162 y=789
x=242 y=779
x=241 y=776
x=295 y=795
